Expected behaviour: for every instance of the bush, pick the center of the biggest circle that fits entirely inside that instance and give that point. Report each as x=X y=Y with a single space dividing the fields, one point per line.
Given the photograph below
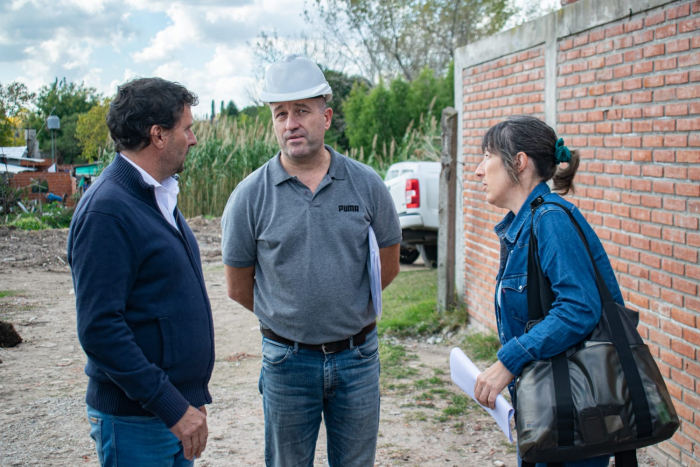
x=58 y=219
x=379 y=118
x=482 y=346
x=29 y=223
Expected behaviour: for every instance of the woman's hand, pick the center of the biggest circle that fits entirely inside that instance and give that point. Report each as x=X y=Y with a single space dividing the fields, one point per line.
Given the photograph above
x=490 y=383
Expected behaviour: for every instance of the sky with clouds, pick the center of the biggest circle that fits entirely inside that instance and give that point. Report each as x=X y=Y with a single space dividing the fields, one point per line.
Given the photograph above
x=202 y=44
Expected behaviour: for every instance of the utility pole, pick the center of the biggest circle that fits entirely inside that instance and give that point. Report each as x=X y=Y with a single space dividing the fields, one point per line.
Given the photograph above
x=446 y=211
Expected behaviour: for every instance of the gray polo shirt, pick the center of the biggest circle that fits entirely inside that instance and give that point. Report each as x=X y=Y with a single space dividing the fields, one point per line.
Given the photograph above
x=309 y=249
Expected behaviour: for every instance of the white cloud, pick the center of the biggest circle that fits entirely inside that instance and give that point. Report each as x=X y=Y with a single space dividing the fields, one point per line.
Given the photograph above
x=104 y=43
x=36 y=74
x=128 y=74
x=90 y=6
x=227 y=76
x=93 y=79
x=172 y=38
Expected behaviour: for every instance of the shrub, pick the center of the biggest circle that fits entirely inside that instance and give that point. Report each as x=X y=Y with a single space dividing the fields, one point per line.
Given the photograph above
x=29 y=223
x=58 y=218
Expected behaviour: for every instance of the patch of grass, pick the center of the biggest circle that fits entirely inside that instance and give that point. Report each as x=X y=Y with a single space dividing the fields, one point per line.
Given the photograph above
x=482 y=346
x=29 y=223
x=43 y=216
x=442 y=392
x=6 y=293
x=416 y=416
x=438 y=371
x=398 y=387
x=424 y=383
x=393 y=359
x=511 y=448
x=459 y=405
x=408 y=304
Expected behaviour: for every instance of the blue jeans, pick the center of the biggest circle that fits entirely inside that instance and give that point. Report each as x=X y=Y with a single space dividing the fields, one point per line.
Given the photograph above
x=134 y=441
x=300 y=385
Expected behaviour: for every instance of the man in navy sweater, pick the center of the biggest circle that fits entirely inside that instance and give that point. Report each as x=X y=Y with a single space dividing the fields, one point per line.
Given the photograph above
x=144 y=318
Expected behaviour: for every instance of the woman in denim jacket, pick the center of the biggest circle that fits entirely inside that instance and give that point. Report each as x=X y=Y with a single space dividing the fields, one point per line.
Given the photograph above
x=520 y=156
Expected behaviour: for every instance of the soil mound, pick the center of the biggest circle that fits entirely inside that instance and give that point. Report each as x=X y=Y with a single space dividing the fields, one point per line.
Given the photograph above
x=9 y=337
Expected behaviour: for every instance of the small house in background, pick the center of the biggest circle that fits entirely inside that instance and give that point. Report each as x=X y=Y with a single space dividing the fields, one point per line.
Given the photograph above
x=14 y=160
x=36 y=176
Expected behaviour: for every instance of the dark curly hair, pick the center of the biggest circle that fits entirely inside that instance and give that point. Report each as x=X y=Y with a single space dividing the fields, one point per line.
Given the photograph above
x=523 y=133
x=142 y=103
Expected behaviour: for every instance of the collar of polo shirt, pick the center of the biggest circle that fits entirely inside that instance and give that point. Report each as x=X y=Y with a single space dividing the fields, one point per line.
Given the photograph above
x=336 y=170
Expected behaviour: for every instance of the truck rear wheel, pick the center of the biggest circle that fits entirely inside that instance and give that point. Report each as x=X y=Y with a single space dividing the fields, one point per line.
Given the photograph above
x=429 y=255
x=408 y=255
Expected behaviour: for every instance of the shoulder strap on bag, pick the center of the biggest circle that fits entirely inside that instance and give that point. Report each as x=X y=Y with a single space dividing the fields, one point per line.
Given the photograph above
x=539 y=300
x=617 y=332
x=622 y=459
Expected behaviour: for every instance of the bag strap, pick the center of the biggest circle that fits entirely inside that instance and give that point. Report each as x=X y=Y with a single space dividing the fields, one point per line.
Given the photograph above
x=611 y=315
x=622 y=459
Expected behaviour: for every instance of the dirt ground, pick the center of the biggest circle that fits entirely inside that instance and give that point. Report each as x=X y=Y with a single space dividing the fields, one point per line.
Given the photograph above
x=42 y=412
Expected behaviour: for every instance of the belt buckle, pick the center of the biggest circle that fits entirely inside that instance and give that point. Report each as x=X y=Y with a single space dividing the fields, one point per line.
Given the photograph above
x=323 y=347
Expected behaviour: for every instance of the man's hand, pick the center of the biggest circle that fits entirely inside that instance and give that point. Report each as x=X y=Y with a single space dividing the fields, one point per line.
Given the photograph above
x=490 y=383
x=192 y=431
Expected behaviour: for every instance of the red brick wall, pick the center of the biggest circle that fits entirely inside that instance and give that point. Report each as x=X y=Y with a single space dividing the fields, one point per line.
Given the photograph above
x=60 y=183
x=628 y=97
x=510 y=85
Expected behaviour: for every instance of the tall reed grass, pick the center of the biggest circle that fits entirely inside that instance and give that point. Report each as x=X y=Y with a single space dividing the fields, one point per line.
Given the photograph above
x=226 y=153
x=421 y=142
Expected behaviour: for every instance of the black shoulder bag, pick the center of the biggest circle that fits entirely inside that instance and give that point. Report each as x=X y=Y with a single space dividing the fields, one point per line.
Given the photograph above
x=604 y=395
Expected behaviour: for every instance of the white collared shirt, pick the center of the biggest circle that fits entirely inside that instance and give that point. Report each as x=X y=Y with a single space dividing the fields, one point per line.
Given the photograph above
x=166 y=193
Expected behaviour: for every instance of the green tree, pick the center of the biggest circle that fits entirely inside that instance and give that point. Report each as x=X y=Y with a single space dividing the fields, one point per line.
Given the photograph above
x=92 y=132
x=342 y=85
x=387 y=113
x=400 y=116
x=14 y=99
x=67 y=101
x=376 y=114
x=250 y=114
x=230 y=111
x=388 y=38
x=353 y=111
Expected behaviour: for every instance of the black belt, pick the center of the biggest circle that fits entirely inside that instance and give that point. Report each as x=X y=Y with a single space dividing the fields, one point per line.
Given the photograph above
x=329 y=347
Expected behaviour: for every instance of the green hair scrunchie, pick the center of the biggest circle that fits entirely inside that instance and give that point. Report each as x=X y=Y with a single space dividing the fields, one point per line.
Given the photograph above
x=561 y=152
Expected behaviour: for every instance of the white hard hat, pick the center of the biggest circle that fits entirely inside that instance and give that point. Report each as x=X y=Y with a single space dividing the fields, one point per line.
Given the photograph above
x=294 y=77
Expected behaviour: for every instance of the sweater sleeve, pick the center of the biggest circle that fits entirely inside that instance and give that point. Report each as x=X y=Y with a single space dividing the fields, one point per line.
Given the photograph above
x=104 y=262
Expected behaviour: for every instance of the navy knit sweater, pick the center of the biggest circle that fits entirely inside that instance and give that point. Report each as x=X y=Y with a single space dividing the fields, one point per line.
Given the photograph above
x=144 y=318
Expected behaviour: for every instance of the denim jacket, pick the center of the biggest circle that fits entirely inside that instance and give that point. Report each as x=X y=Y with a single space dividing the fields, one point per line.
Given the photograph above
x=565 y=262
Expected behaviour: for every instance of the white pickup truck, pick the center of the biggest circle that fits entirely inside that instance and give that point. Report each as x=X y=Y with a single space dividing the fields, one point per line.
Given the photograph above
x=414 y=186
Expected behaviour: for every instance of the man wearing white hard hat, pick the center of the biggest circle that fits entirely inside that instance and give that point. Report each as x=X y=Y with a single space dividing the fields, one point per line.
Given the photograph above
x=295 y=247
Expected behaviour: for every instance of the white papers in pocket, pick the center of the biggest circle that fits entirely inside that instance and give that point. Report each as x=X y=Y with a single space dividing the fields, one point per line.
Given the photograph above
x=464 y=374
x=374 y=266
